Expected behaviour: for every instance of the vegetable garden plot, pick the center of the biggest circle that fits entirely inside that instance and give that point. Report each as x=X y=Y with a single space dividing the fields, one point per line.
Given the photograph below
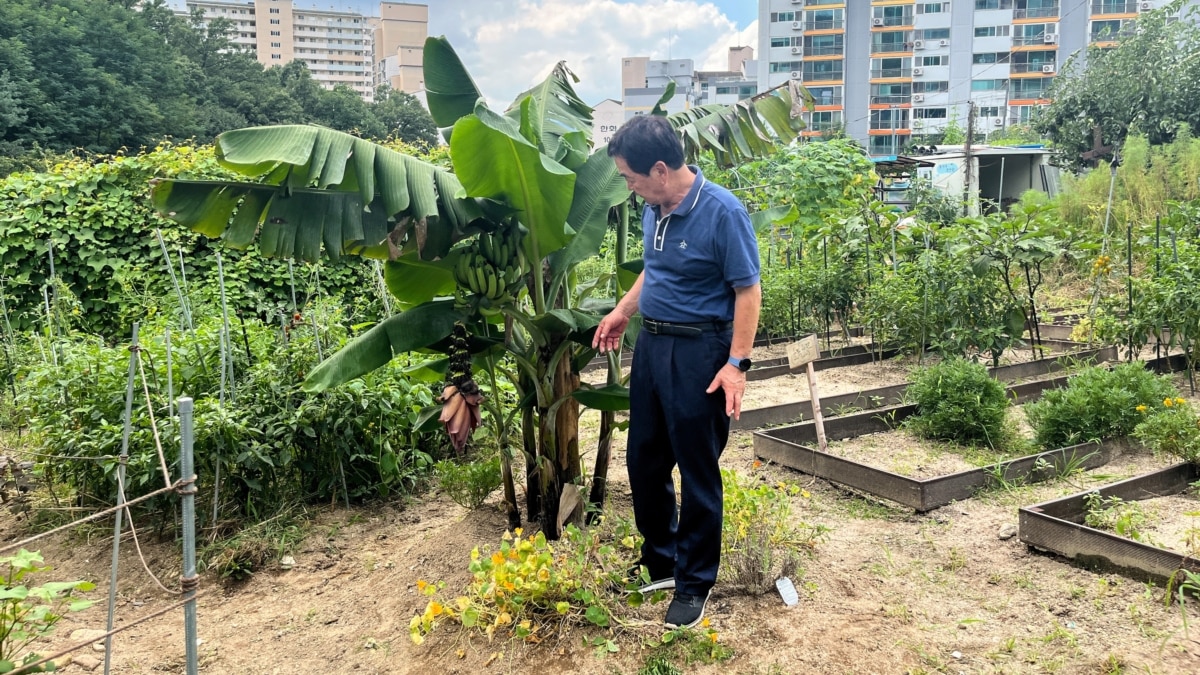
x=789 y=446
x=787 y=413
x=1059 y=526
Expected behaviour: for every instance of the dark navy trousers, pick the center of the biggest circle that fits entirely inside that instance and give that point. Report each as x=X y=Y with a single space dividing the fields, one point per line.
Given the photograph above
x=673 y=422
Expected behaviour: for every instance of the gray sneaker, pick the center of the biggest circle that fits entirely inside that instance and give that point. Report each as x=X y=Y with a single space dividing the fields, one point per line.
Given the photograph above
x=686 y=611
x=643 y=580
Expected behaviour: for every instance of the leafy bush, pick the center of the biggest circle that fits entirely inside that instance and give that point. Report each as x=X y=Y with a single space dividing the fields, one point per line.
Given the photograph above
x=1097 y=403
x=271 y=441
x=759 y=542
x=1172 y=428
x=958 y=401
x=469 y=483
x=29 y=613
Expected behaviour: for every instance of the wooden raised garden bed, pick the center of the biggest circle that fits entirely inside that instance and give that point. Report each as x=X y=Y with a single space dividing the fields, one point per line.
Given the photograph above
x=1058 y=526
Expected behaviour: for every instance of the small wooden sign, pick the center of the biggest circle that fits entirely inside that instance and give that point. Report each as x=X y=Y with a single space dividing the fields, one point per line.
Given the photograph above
x=803 y=351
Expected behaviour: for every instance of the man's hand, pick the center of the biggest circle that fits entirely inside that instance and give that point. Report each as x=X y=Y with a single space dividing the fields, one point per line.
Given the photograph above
x=733 y=381
x=609 y=332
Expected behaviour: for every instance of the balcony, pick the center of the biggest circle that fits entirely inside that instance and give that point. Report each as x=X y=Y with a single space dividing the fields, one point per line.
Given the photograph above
x=904 y=20
x=827 y=100
x=1041 y=39
x=823 y=75
x=831 y=24
x=889 y=100
x=1036 y=12
x=1108 y=7
x=890 y=72
x=818 y=3
x=1106 y=35
x=890 y=48
x=824 y=50
x=889 y=125
x=1032 y=67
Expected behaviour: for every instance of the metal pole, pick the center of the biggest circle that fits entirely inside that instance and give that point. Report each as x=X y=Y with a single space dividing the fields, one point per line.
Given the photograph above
x=190 y=578
x=226 y=340
x=118 y=520
x=183 y=308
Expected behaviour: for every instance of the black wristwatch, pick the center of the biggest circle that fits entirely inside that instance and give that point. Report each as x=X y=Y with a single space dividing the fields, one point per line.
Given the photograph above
x=741 y=364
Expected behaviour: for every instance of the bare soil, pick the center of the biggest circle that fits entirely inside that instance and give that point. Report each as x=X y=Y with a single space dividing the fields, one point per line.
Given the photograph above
x=889 y=591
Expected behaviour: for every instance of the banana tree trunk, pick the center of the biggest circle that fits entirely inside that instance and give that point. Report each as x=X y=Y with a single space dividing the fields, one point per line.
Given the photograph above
x=559 y=459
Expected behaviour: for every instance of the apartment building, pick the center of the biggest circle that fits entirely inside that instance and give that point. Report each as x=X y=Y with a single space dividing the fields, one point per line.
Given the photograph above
x=739 y=81
x=338 y=47
x=644 y=81
x=885 y=70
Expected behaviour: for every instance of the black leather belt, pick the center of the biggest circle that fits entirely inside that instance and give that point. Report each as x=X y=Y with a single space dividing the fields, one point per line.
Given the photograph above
x=684 y=329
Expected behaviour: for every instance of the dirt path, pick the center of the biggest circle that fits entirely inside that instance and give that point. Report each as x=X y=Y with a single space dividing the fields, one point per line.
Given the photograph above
x=890 y=591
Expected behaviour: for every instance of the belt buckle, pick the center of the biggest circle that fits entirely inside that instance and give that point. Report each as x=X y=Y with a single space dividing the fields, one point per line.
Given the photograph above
x=651 y=326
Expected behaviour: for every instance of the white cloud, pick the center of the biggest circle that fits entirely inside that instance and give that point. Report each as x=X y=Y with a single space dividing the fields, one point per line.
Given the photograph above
x=509 y=45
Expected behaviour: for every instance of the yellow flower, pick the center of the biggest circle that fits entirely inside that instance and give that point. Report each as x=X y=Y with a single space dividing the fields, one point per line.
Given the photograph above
x=435 y=608
x=498 y=557
x=1168 y=402
x=713 y=636
x=706 y=623
x=1179 y=401
x=421 y=584
x=756 y=464
x=1141 y=408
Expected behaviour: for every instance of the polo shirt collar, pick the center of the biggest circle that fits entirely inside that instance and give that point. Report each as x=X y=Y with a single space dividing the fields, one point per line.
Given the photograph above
x=691 y=198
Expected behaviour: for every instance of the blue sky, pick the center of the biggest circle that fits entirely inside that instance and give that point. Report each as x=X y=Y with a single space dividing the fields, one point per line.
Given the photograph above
x=508 y=45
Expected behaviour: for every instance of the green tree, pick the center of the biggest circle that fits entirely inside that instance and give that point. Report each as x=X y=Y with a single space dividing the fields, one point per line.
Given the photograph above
x=529 y=177
x=403 y=117
x=1148 y=83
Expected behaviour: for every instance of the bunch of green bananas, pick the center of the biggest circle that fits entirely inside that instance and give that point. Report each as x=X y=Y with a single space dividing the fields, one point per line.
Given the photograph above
x=492 y=267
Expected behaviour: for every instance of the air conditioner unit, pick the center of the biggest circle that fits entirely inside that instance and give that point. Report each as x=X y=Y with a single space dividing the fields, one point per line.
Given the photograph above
x=999 y=121
x=918 y=44
x=795 y=50
x=943 y=43
x=918 y=71
x=879 y=22
x=918 y=123
x=795 y=74
x=796 y=25
x=1146 y=5
x=1050 y=38
x=918 y=98
x=1047 y=68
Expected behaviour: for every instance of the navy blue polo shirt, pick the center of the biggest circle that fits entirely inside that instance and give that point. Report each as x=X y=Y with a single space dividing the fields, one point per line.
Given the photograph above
x=696 y=255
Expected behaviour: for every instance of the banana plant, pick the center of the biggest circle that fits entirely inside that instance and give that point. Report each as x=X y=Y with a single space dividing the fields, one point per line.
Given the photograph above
x=490 y=246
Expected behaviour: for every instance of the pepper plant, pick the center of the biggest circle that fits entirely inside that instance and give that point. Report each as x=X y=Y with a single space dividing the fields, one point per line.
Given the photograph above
x=529 y=177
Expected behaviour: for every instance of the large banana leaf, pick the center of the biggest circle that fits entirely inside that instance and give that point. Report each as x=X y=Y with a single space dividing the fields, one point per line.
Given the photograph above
x=598 y=188
x=495 y=161
x=557 y=118
x=744 y=130
x=316 y=182
x=404 y=332
x=450 y=92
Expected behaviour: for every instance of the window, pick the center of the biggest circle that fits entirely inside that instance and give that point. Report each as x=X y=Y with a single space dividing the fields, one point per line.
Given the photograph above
x=1107 y=31
x=784 y=66
x=824 y=120
x=275 y=56
x=934 y=34
x=822 y=70
x=892 y=67
x=775 y=42
x=274 y=21
x=778 y=17
x=274 y=10
x=990 y=57
x=891 y=41
x=275 y=33
x=890 y=93
x=824 y=45
x=993 y=4
x=992 y=31
x=989 y=111
x=826 y=95
x=929 y=113
x=989 y=85
x=893 y=15
x=889 y=119
x=823 y=19
x=1033 y=33
x=935 y=60
x=1035 y=87
x=932 y=7
x=885 y=145
x=931 y=87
